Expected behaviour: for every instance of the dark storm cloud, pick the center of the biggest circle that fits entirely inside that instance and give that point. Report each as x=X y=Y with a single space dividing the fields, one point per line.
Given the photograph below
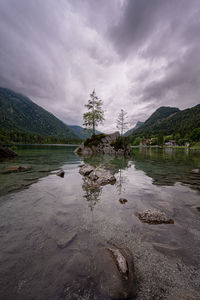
x=138 y=54
x=166 y=33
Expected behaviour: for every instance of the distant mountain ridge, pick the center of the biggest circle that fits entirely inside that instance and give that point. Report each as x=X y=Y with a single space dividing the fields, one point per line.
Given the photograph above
x=130 y=131
x=18 y=112
x=170 y=120
x=80 y=132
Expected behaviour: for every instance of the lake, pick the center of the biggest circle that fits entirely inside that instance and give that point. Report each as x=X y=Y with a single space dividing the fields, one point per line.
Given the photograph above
x=51 y=228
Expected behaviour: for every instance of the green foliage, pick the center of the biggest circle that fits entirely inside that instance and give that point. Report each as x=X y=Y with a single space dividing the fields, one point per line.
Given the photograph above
x=179 y=124
x=137 y=141
x=95 y=114
x=95 y=140
x=160 y=139
x=22 y=137
x=19 y=113
x=195 y=135
x=120 y=143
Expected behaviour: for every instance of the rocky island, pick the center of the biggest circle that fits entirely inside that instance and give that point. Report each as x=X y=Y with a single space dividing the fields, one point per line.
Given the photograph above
x=111 y=144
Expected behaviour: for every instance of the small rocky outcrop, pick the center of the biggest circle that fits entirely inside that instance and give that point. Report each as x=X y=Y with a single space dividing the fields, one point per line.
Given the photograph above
x=61 y=173
x=154 y=217
x=13 y=169
x=115 y=271
x=111 y=144
x=6 y=152
x=86 y=169
x=99 y=175
x=123 y=200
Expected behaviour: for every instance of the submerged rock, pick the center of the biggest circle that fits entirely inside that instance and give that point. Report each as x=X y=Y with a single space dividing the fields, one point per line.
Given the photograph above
x=6 y=152
x=86 y=169
x=61 y=173
x=98 y=175
x=123 y=200
x=64 y=242
x=154 y=217
x=13 y=169
x=116 y=275
x=168 y=250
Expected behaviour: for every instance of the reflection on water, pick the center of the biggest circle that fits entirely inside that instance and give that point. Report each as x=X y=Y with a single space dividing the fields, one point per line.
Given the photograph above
x=42 y=160
x=92 y=192
x=168 y=166
x=51 y=231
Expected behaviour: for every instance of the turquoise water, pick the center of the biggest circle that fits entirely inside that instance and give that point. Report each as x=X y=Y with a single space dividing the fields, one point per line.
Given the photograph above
x=39 y=210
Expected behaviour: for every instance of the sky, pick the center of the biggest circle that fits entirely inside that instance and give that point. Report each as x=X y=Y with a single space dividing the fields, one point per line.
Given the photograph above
x=138 y=55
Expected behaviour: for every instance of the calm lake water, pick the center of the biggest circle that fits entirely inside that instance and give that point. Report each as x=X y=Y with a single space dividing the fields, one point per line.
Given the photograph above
x=40 y=212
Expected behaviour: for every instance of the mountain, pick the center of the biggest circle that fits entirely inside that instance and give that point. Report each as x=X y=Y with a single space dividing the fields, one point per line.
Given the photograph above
x=80 y=132
x=170 y=120
x=161 y=114
x=19 y=113
x=130 y=131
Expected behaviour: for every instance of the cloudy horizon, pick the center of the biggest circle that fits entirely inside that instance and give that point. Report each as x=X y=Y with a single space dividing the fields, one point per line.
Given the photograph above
x=137 y=54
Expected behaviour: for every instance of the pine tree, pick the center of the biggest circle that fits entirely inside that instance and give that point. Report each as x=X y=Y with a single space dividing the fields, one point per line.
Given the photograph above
x=95 y=114
x=122 y=121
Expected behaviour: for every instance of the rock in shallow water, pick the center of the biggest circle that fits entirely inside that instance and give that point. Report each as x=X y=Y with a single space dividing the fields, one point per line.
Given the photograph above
x=154 y=217
x=64 y=242
x=86 y=169
x=98 y=175
x=114 y=268
x=123 y=200
x=13 y=169
x=61 y=173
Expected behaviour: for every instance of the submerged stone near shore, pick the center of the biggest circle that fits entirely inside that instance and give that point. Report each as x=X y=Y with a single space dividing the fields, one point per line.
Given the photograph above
x=61 y=173
x=154 y=217
x=123 y=200
x=6 y=152
x=13 y=169
x=98 y=175
x=116 y=273
x=111 y=144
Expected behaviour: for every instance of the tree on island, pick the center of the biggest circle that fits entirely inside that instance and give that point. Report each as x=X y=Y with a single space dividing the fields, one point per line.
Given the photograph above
x=122 y=121
x=95 y=114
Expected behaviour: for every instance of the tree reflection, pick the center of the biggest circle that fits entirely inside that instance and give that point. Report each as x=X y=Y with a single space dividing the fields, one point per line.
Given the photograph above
x=92 y=192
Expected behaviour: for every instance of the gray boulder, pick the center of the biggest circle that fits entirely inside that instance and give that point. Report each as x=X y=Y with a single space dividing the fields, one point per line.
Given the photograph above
x=86 y=169
x=154 y=217
x=61 y=173
x=98 y=175
x=115 y=271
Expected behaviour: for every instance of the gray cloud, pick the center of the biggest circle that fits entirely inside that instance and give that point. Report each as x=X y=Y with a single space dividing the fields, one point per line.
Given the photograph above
x=138 y=54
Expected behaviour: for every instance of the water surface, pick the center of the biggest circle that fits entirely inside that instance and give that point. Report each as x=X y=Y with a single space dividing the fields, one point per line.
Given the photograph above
x=40 y=211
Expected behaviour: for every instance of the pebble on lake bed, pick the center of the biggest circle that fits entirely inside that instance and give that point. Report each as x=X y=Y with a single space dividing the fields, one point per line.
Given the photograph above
x=154 y=217
x=123 y=200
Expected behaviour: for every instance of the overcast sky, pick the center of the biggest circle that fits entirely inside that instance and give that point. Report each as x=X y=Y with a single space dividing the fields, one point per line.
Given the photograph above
x=137 y=54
